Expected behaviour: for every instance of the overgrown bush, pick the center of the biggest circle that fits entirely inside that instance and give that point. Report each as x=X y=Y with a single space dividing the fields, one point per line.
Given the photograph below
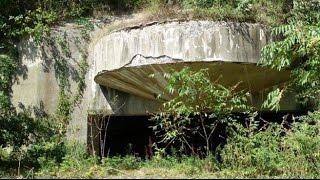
x=75 y=161
x=28 y=142
x=275 y=150
x=197 y=107
x=20 y=133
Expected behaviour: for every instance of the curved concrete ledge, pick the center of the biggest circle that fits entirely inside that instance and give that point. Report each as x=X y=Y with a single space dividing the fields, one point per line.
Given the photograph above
x=187 y=41
x=135 y=79
x=123 y=60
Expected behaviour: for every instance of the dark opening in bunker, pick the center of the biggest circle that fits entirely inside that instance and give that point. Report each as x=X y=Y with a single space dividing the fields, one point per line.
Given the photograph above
x=133 y=135
x=120 y=136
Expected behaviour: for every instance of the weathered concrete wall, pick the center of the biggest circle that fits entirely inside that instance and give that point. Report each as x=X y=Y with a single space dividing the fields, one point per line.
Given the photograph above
x=38 y=88
x=187 y=41
x=130 y=53
x=37 y=84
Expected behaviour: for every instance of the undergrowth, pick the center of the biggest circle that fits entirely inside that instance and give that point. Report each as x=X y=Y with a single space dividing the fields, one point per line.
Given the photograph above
x=271 y=151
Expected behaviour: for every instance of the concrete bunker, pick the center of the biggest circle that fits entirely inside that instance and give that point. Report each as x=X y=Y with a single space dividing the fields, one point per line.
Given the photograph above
x=125 y=60
x=120 y=62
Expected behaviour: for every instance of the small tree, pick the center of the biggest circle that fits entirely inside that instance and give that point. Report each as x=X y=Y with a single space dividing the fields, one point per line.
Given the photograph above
x=299 y=51
x=197 y=107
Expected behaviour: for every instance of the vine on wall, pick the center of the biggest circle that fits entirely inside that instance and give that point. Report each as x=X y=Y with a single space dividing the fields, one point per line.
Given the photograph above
x=28 y=137
x=67 y=100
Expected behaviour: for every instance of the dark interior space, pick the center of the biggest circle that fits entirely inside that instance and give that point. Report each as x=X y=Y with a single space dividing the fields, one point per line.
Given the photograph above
x=134 y=135
x=127 y=135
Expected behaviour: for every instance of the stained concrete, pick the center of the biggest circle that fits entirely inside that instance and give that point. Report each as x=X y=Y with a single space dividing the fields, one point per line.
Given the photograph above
x=185 y=41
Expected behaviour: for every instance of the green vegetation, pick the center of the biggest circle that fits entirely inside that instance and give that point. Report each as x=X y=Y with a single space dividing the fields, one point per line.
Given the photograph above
x=275 y=150
x=32 y=143
x=196 y=95
x=298 y=51
x=252 y=152
x=29 y=137
x=263 y=11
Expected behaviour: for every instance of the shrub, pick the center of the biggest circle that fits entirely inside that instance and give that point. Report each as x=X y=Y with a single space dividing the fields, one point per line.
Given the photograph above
x=199 y=104
x=275 y=150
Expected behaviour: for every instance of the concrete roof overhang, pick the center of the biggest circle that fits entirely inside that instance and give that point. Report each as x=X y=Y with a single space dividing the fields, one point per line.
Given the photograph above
x=136 y=80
